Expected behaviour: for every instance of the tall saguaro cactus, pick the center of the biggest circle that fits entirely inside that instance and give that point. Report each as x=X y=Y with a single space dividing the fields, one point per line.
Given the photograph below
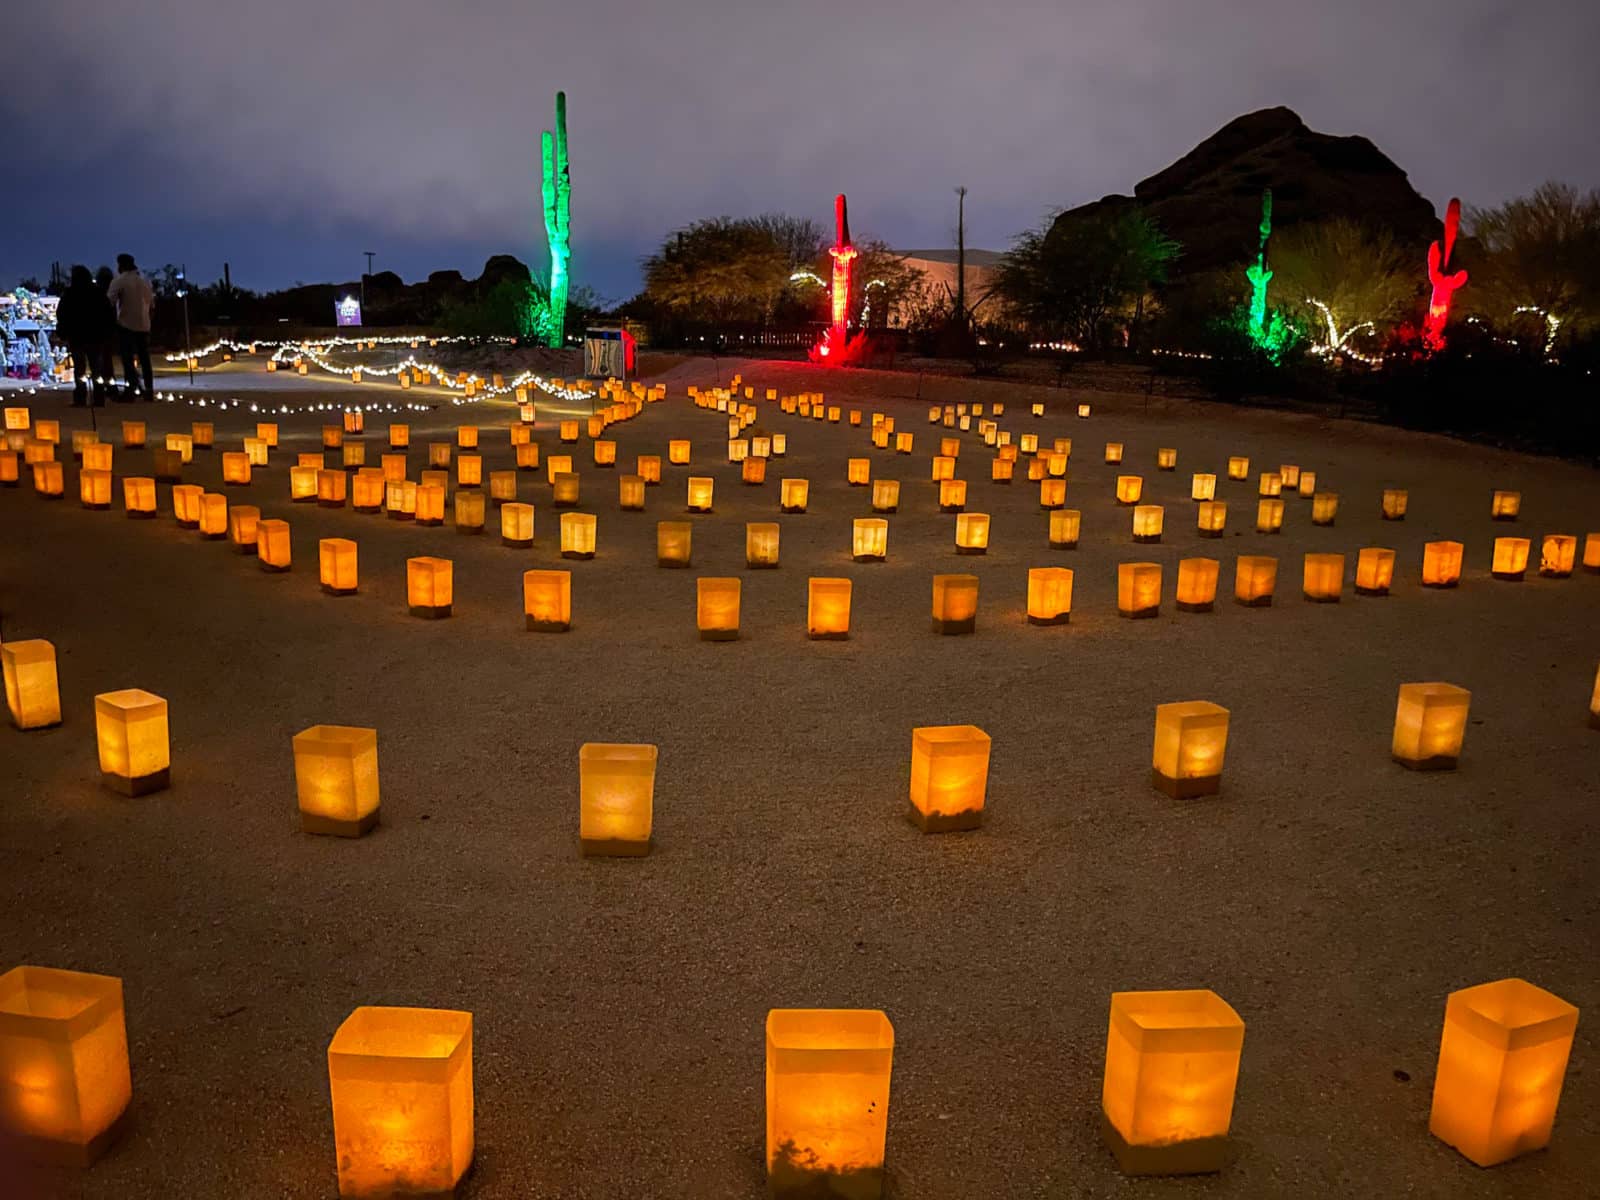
x=557 y=189
x=1260 y=274
x=1268 y=329
x=1446 y=283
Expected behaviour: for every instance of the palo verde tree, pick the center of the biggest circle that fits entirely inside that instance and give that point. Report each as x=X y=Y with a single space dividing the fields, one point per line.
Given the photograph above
x=1086 y=278
x=765 y=268
x=799 y=239
x=1540 y=261
x=719 y=269
x=1347 y=284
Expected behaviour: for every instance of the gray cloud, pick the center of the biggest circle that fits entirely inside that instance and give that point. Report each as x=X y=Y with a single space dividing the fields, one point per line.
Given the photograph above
x=414 y=124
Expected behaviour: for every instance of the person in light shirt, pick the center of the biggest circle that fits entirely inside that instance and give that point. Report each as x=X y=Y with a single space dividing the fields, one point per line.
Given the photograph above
x=134 y=299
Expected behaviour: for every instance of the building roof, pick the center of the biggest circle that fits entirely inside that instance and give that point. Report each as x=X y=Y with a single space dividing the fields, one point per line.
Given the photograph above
x=975 y=258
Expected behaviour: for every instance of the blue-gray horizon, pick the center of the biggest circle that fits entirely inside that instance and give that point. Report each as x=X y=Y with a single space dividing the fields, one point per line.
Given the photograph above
x=288 y=140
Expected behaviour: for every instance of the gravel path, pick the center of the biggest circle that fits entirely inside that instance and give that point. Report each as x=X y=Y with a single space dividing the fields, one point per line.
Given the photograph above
x=1331 y=897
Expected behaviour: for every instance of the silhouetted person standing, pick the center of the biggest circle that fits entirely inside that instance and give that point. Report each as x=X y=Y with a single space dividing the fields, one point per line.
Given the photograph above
x=135 y=298
x=108 y=341
x=84 y=321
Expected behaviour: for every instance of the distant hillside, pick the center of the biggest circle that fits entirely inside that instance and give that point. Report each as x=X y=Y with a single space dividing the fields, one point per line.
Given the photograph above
x=390 y=300
x=1210 y=199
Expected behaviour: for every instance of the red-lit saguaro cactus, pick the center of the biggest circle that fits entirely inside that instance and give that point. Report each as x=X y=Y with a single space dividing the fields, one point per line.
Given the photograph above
x=1445 y=282
x=837 y=348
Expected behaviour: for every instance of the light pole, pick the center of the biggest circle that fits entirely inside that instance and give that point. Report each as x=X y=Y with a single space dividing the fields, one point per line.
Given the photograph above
x=369 y=254
x=183 y=294
x=961 y=257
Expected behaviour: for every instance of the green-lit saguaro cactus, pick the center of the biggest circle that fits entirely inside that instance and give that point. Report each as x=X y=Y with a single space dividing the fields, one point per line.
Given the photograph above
x=1260 y=275
x=557 y=189
x=1268 y=329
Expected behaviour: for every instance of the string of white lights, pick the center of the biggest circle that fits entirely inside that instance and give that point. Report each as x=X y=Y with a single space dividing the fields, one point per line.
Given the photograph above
x=481 y=388
x=1552 y=325
x=1338 y=343
x=586 y=391
x=315 y=351
x=278 y=408
x=228 y=345
x=804 y=276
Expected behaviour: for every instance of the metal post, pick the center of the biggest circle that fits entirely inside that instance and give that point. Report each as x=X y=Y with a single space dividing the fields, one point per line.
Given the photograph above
x=183 y=294
x=961 y=257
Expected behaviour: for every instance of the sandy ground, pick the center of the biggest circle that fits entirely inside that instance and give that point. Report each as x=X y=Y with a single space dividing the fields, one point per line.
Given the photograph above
x=1332 y=897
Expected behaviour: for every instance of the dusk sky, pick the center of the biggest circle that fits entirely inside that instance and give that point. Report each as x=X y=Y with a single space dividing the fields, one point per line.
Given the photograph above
x=287 y=137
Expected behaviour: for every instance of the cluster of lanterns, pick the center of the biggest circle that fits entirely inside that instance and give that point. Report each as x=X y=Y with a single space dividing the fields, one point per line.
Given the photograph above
x=385 y=488
x=401 y=1080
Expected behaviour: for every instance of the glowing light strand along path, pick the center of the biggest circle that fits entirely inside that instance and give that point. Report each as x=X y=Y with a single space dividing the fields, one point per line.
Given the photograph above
x=228 y=345
x=290 y=351
x=280 y=409
x=445 y=380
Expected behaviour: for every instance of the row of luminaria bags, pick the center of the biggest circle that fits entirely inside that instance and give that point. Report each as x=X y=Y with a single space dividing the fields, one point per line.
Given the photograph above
x=386 y=488
x=547 y=594
x=401 y=1079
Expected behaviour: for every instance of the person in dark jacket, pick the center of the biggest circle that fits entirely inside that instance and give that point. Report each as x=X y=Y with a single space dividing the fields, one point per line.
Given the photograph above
x=102 y=280
x=85 y=320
